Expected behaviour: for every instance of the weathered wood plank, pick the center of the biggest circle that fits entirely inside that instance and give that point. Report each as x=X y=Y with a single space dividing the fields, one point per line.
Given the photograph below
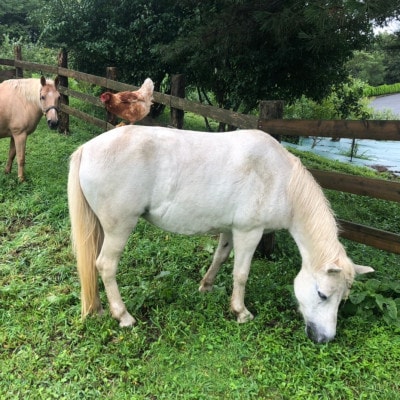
x=31 y=66
x=7 y=74
x=81 y=76
x=376 y=130
x=7 y=61
x=377 y=188
x=219 y=114
x=370 y=236
x=86 y=117
x=87 y=98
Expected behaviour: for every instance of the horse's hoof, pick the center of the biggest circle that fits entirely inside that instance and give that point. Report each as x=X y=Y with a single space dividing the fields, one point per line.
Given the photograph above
x=127 y=321
x=205 y=287
x=244 y=316
x=99 y=311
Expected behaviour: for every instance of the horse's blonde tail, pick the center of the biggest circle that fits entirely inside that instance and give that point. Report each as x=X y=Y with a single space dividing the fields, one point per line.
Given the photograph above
x=87 y=238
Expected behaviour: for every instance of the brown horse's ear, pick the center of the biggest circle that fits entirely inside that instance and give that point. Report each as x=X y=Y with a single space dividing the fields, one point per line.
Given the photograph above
x=42 y=80
x=56 y=81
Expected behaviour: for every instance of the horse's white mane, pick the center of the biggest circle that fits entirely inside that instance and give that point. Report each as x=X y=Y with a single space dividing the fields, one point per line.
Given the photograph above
x=312 y=208
x=28 y=88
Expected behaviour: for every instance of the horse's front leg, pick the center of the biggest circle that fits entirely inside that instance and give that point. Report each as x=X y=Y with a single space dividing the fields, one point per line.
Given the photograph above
x=11 y=156
x=107 y=264
x=245 y=244
x=20 y=145
x=221 y=254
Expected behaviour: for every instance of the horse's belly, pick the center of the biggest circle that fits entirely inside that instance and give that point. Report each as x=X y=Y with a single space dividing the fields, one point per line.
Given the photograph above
x=205 y=215
x=189 y=221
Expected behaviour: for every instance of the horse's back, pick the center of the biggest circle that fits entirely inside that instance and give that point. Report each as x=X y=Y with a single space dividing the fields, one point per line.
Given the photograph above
x=214 y=180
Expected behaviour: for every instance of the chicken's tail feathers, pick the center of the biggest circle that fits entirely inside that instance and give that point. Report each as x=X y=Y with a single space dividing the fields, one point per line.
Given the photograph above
x=148 y=86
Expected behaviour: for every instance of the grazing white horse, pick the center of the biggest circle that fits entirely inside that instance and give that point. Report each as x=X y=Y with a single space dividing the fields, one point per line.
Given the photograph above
x=240 y=184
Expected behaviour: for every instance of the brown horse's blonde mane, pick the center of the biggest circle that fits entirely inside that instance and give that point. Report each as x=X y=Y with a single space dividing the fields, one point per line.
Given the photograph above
x=312 y=210
x=29 y=89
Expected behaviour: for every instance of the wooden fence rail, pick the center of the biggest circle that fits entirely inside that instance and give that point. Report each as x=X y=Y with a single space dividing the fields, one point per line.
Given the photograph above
x=376 y=130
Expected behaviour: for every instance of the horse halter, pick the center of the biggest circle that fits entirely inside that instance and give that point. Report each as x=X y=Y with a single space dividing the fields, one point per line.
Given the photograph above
x=51 y=108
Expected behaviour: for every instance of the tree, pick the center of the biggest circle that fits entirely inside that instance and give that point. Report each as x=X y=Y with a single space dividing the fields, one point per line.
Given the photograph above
x=14 y=20
x=247 y=50
x=241 y=51
x=101 y=33
x=380 y=63
x=369 y=66
x=390 y=45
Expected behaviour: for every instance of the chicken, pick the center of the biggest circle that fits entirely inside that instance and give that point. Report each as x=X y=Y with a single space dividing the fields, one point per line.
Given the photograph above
x=131 y=106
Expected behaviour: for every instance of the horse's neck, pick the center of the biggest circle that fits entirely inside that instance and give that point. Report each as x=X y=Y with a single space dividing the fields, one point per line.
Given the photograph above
x=317 y=245
x=313 y=225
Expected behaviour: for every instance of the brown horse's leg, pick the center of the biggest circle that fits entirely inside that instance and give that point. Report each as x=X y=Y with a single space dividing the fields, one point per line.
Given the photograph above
x=11 y=156
x=20 y=142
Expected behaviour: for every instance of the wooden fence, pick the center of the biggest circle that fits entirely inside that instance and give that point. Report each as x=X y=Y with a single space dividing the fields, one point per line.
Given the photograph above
x=377 y=130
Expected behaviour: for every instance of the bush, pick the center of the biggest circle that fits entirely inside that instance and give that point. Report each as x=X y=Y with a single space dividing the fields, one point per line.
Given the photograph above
x=372 y=91
x=30 y=51
x=345 y=101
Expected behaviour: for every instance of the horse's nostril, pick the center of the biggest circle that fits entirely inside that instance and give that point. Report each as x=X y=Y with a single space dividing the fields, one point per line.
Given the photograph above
x=315 y=335
x=52 y=124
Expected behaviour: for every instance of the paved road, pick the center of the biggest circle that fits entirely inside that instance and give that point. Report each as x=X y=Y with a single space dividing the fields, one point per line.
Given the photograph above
x=390 y=102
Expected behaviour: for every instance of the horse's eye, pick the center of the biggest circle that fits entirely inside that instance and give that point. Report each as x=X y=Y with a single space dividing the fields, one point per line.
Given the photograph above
x=42 y=97
x=322 y=296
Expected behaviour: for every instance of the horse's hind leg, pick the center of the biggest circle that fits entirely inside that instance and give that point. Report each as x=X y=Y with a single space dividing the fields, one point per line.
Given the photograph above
x=11 y=155
x=107 y=265
x=245 y=244
x=221 y=254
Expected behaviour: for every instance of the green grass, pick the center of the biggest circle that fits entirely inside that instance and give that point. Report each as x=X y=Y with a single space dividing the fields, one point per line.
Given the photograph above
x=186 y=345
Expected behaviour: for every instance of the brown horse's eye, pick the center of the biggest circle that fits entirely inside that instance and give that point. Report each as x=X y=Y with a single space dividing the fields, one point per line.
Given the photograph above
x=42 y=97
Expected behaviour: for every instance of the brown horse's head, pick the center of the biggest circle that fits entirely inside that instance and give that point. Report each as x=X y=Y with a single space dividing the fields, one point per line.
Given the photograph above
x=49 y=100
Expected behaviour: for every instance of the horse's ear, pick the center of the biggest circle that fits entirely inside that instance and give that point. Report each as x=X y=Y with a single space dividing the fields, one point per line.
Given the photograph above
x=362 y=269
x=56 y=81
x=42 y=80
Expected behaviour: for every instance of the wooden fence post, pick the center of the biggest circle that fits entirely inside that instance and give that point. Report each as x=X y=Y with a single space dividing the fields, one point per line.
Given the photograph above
x=18 y=56
x=272 y=110
x=177 y=90
x=269 y=110
x=64 y=99
x=111 y=73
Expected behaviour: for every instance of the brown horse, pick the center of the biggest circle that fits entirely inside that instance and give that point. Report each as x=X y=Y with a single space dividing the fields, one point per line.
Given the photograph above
x=22 y=103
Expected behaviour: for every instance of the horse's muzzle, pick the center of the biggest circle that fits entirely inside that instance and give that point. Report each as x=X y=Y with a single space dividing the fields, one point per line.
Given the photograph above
x=315 y=335
x=53 y=124
x=52 y=121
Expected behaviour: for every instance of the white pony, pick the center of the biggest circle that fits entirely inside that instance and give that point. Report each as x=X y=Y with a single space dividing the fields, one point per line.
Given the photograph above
x=240 y=184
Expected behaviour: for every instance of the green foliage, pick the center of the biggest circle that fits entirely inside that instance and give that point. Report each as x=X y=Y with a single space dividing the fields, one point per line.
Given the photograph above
x=346 y=101
x=368 y=66
x=374 y=299
x=372 y=91
x=241 y=51
x=14 y=20
x=390 y=45
x=379 y=63
x=33 y=52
